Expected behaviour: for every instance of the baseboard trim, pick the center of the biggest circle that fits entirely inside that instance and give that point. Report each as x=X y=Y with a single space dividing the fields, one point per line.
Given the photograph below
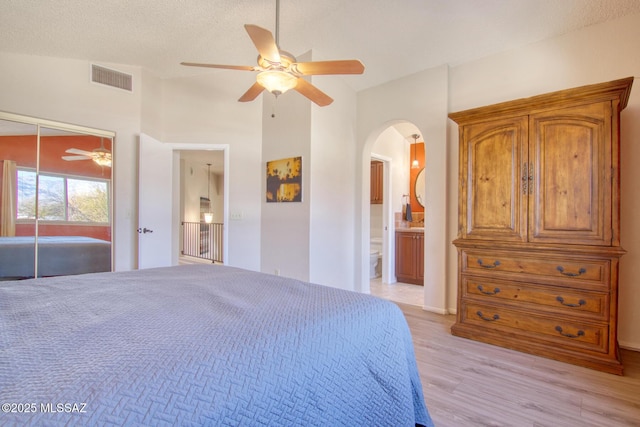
x=437 y=310
x=629 y=345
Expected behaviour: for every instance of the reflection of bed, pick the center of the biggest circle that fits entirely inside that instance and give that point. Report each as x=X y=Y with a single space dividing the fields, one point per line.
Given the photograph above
x=57 y=255
x=204 y=345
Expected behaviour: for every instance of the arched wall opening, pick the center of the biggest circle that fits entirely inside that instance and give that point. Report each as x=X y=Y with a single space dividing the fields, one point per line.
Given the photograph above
x=435 y=245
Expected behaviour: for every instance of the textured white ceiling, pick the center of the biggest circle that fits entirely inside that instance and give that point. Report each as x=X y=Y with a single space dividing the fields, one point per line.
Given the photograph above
x=393 y=38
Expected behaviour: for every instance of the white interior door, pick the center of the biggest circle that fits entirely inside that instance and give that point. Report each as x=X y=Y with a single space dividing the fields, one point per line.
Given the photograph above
x=155 y=189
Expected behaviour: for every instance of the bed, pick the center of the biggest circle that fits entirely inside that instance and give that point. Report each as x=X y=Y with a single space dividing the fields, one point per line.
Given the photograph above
x=57 y=255
x=203 y=345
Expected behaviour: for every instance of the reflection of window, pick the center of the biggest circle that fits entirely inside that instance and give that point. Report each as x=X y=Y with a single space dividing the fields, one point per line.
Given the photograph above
x=26 y=195
x=62 y=198
x=51 y=198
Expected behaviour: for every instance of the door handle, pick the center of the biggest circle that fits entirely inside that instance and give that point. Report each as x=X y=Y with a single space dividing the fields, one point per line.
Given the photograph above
x=144 y=230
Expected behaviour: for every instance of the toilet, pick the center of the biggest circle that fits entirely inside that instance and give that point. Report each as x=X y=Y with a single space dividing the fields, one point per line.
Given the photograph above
x=375 y=257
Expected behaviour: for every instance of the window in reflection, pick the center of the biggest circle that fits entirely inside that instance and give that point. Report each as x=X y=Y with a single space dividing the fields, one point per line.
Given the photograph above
x=87 y=201
x=63 y=198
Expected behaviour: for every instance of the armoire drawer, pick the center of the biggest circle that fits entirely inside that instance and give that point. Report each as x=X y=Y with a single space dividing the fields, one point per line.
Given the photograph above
x=550 y=269
x=550 y=298
x=559 y=331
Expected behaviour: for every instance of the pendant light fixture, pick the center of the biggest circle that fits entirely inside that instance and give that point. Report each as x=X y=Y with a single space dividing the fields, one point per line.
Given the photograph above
x=208 y=216
x=415 y=164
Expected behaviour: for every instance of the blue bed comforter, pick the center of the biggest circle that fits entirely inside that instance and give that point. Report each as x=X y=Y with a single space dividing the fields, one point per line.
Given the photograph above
x=202 y=345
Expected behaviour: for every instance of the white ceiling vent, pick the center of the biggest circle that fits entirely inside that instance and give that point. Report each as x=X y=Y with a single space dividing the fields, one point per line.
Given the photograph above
x=113 y=78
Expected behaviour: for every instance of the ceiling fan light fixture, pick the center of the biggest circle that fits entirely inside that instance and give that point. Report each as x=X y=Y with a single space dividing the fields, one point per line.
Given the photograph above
x=102 y=159
x=279 y=70
x=277 y=81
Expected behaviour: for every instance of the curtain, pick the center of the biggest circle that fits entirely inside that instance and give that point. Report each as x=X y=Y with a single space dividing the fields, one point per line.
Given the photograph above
x=8 y=193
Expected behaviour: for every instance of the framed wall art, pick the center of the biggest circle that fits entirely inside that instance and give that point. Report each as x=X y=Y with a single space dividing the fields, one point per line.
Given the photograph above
x=284 y=180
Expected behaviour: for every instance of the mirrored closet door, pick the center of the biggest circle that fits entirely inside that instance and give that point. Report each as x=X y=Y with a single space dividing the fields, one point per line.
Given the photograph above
x=55 y=198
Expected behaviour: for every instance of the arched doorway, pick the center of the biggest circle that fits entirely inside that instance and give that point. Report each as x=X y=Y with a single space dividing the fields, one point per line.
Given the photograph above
x=435 y=245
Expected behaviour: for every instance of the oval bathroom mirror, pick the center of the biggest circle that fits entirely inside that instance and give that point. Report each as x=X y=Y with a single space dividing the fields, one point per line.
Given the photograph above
x=419 y=187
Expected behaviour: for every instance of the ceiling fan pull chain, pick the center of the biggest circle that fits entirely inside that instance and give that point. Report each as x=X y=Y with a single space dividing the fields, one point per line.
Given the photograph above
x=278 y=23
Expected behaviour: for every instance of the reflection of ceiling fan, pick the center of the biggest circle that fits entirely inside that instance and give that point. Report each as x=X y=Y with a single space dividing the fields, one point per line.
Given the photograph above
x=100 y=155
x=279 y=71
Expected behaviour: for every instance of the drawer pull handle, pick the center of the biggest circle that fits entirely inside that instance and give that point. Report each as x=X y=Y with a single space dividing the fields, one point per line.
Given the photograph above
x=495 y=291
x=494 y=265
x=561 y=301
x=578 y=335
x=487 y=319
x=579 y=273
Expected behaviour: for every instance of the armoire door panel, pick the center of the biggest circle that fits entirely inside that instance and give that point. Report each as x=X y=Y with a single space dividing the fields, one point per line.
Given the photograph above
x=496 y=160
x=569 y=151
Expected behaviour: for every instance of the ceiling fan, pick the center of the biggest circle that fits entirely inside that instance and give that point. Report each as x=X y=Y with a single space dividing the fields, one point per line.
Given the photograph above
x=101 y=156
x=279 y=71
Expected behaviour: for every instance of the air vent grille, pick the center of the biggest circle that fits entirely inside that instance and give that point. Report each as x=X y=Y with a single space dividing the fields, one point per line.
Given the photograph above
x=111 y=78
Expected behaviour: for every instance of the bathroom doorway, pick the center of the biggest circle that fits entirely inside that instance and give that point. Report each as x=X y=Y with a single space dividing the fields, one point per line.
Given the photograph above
x=381 y=262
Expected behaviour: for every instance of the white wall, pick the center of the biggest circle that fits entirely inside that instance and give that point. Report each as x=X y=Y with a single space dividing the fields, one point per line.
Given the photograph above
x=217 y=197
x=152 y=102
x=594 y=54
x=333 y=184
x=192 y=188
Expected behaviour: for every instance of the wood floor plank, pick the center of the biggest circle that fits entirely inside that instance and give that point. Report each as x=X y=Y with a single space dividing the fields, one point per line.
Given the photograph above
x=468 y=383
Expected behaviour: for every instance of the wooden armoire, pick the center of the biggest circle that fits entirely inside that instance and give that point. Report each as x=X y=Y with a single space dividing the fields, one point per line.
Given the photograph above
x=539 y=230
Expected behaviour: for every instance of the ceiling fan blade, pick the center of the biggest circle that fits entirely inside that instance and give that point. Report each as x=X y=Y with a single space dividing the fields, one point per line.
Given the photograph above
x=313 y=93
x=78 y=151
x=264 y=42
x=73 y=158
x=252 y=93
x=348 y=66
x=227 y=67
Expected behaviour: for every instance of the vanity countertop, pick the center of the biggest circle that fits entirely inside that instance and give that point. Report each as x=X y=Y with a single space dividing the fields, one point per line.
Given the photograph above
x=410 y=229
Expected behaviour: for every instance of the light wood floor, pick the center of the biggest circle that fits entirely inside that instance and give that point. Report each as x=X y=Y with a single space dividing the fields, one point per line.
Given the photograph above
x=467 y=383
x=405 y=293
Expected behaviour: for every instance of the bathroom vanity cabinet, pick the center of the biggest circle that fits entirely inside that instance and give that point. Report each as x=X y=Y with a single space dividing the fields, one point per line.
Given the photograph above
x=410 y=256
x=376 y=182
